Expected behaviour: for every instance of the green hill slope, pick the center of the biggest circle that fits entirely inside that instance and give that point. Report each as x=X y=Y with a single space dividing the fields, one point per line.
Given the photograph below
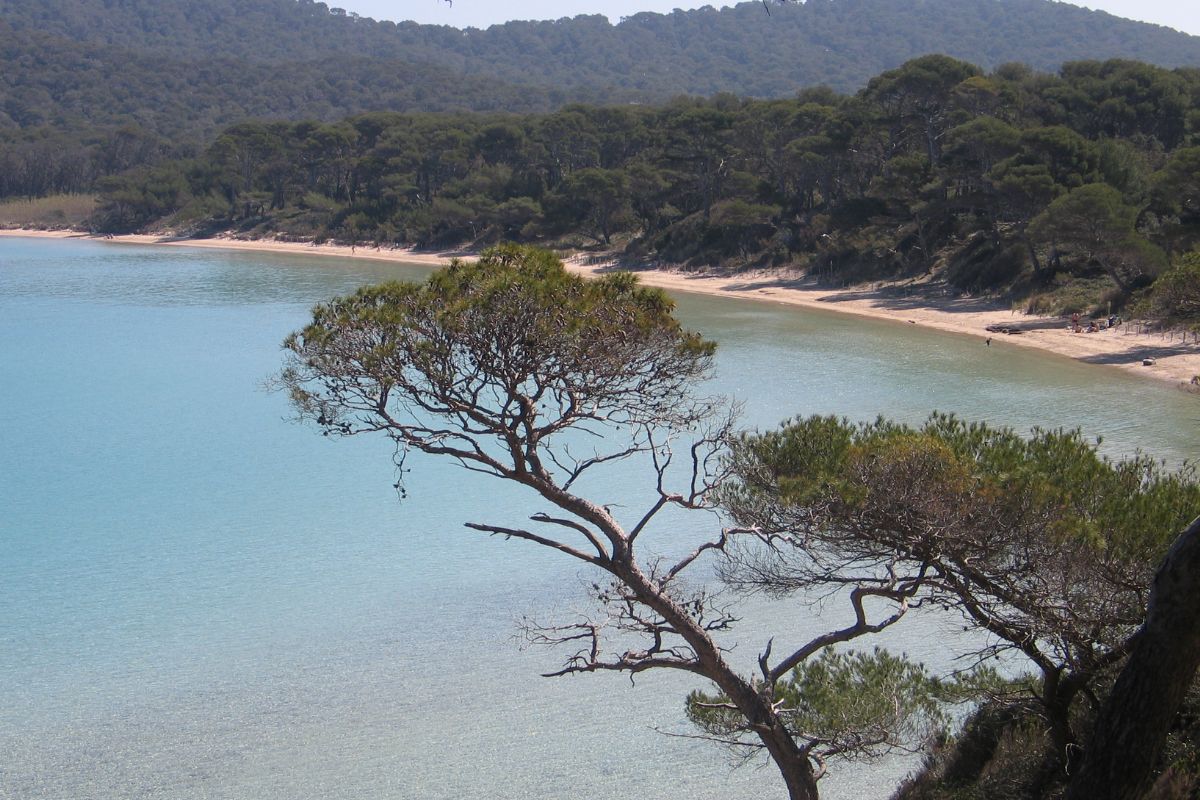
x=840 y=43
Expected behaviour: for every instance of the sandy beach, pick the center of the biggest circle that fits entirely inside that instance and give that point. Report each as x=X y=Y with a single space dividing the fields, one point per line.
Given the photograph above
x=267 y=246
x=1170 y=358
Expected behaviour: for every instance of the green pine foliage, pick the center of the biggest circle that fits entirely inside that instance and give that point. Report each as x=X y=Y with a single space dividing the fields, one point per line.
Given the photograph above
x=72 y=72
x=607 y=352
x=1073 y=192
x=1176 y=294
x=848 y=705
x=1037 y=540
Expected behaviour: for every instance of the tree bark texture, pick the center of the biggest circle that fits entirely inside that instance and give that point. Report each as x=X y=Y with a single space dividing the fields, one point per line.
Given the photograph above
x=1137 y=716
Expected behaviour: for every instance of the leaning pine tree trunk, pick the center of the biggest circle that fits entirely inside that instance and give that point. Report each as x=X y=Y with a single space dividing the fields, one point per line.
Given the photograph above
x=792 y=761
x=1134 y=721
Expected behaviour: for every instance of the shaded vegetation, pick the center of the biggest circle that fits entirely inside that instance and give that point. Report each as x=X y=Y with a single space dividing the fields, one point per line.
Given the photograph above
x=1049 y=549
x=1001 y=755
x=1075 y=191
x=75 y=73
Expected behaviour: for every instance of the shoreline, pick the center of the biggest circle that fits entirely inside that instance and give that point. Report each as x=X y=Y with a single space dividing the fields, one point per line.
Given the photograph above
x=260 y=245
x=1173 y=361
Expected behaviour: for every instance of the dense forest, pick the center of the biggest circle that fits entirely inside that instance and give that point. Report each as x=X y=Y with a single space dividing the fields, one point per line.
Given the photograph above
x=1073 y=185
x=185 y=69
x=1078 y=189
x=840 y=43
x=91 y=88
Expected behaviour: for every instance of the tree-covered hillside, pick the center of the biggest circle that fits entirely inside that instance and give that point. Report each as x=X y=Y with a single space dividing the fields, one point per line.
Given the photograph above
x=1008 y=178
x=61 y=86
x=152 y=46
x=1081 y=188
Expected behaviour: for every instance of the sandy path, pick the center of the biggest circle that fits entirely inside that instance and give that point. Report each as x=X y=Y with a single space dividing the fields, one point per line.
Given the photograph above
x=1173 y=360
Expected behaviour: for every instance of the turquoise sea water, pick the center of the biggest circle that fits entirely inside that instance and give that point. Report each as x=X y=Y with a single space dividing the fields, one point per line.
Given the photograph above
x=201 y=599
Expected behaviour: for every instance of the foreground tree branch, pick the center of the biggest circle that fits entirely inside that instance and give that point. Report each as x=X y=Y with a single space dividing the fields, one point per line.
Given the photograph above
x=507 y=364
x=1037 y=540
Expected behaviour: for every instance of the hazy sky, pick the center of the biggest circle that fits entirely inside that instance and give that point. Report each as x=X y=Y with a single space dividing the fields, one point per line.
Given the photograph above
x=1183 y=15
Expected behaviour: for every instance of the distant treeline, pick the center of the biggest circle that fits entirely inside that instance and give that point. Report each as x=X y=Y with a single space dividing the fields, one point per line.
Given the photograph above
x=1012 y=179
x=75 y=70
x=744 y=49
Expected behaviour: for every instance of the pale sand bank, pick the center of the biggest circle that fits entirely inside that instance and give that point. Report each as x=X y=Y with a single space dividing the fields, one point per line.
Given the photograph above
x=1174 y=361
x=268 y=246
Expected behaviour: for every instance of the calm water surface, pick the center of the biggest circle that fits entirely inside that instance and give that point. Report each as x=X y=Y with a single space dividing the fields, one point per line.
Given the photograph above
x=200 y=599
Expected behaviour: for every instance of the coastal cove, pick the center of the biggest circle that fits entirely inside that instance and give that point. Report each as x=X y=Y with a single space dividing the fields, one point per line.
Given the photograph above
x=1173 y=359
x=199 y=598
x=770 y=400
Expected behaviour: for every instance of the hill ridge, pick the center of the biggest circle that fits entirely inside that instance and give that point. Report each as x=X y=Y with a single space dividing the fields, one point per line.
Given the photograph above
x=741 y=49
